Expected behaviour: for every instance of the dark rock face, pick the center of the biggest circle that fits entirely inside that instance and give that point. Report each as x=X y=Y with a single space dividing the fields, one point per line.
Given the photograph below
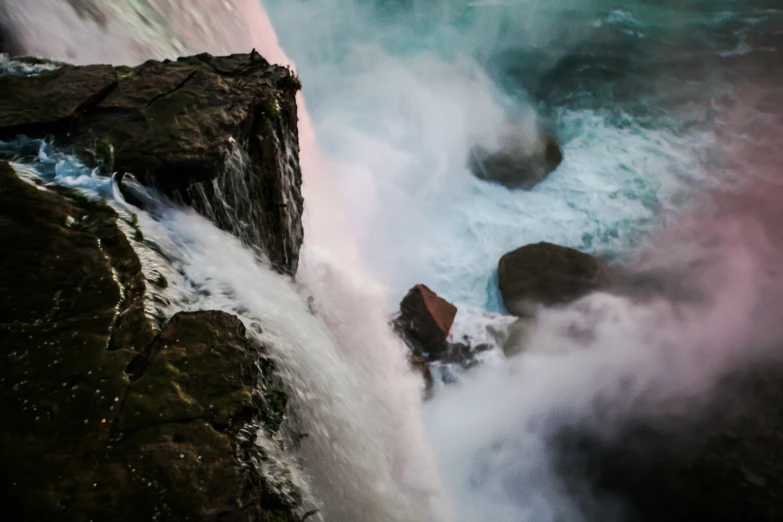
x=550 y=275
x=514 y=167
x=106 y=416
x=7 y=44
x=425 y=320
x=218 y=133
x=725 y=466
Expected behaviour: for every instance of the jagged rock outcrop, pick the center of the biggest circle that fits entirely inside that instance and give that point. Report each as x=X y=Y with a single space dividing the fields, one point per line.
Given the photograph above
x=516 y=165
x=106 y=415
x=548 y=274
x=425 y=320
x=423 y=323
x=218 y=133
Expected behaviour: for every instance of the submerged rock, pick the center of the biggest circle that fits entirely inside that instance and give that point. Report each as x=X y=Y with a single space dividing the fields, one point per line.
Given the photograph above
x=548 y=274
x=517 y=335
x=106 y=416
x=425 y=320
x=218 y=133
x=516 y=165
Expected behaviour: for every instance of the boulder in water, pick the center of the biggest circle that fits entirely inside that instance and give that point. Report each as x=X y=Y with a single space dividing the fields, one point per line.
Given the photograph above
x=218 y=133
x=107 y=413
x=516 y=165
x=548 y=274
x=425 y=320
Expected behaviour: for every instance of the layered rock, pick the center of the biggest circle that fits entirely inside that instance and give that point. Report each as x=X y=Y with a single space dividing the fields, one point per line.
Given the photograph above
x=218 y=133
x=516 y=165
x=106 y=415
x=548 y=274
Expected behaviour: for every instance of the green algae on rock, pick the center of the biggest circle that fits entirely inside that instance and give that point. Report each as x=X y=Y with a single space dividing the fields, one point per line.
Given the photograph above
x=104 y=416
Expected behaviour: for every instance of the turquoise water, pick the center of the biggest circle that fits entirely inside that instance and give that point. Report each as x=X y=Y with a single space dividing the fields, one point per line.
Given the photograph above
x=400 y=90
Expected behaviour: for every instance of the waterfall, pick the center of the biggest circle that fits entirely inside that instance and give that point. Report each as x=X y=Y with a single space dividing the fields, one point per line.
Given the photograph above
x=398 y=125
x=359 y=449
x=359 y=403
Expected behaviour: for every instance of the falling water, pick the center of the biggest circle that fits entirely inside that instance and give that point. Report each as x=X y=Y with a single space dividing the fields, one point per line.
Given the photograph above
x=361 y=454
x=396 y=101
x=359 y=402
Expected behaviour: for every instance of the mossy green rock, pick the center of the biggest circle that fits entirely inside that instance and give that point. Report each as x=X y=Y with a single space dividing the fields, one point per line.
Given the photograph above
x=104 y=416
x=189 y=127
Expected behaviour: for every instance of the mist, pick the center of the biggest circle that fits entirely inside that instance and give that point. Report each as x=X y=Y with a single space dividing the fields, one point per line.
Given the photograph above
x=665 y=361
x=672 y=172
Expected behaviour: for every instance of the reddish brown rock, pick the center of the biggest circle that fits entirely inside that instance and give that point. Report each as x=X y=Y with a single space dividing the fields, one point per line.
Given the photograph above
x=425 y=320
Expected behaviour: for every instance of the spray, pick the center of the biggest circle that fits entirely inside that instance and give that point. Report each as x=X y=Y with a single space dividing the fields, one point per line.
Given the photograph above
x=362 y=464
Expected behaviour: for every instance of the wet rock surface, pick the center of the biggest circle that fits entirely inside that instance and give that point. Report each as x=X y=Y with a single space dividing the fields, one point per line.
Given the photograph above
x=514 y=165
x=108 y=415
x=218 y=133
x=548 y=274
x=425 y=320
x=423 y=323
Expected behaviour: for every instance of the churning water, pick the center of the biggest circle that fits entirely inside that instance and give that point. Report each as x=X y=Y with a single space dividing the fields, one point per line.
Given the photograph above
x=669 y=117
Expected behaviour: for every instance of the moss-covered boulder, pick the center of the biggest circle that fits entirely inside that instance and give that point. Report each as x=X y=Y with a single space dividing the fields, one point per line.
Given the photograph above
x=105 y=415
x=219 y=133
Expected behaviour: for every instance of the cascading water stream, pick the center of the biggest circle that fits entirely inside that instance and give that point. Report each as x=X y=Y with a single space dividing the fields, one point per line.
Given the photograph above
x=381 y=433
x=399 y=121
x=361 y=454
